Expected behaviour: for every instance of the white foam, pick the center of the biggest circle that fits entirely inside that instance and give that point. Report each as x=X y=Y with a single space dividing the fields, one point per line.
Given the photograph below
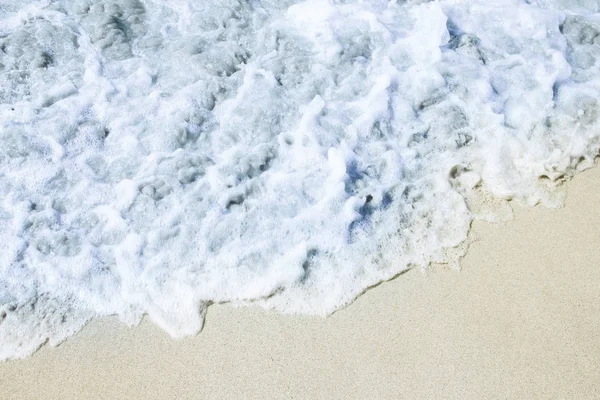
x=160 y=156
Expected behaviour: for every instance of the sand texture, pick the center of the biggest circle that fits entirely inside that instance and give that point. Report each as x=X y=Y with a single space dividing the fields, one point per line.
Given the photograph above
x=521 y=320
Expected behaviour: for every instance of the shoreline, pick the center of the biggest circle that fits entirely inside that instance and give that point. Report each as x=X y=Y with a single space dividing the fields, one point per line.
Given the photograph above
x=519 y=320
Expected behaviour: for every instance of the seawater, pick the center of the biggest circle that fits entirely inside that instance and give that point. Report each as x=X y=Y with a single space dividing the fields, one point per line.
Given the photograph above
x=160 y=156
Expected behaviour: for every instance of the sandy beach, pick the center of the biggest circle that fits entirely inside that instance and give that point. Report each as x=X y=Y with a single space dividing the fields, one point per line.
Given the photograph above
x=521 y=320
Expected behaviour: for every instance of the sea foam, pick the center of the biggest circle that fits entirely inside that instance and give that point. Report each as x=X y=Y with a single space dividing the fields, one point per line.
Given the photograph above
x=160 y=156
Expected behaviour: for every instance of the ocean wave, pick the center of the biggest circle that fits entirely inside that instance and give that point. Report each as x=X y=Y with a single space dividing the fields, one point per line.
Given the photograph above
x=157 y=157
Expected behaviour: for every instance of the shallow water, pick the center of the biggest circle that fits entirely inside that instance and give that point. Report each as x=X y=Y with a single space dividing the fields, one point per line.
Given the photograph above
x=159 y=156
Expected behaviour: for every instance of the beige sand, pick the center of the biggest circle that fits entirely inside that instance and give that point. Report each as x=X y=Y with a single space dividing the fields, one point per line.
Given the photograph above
x=520 y=321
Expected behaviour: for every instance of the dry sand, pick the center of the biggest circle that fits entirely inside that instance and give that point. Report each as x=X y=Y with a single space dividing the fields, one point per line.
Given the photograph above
x=520 y=321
